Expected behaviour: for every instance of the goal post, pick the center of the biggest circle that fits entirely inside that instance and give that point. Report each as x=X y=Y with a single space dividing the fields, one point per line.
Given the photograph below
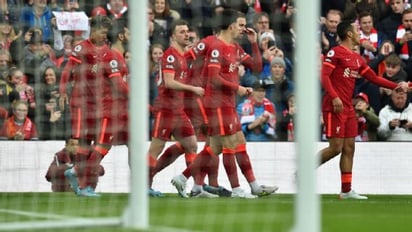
x=307 y=209
x=136 y=214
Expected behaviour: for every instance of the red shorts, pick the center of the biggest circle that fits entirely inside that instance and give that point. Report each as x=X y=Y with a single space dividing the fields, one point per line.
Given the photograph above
x=196 y=112
x=168 y=123
x=106 y=130
x=223 y=121
x=342 y=125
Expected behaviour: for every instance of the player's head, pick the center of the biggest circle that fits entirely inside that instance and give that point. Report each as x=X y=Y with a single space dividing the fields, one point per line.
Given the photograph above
x=99 y=27
x=348 y=31
x=179 y=32
x=227 y=18
x=119 y=32
x=72 y=145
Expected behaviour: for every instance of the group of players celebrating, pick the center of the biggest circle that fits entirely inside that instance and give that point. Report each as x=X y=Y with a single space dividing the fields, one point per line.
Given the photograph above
x=197 y=87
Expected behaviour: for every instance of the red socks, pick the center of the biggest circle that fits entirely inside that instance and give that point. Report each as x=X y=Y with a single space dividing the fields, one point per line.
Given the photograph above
x=152 y=168
x=169 y=156
x=346 y=179
x=243 y=161
x=229 y=162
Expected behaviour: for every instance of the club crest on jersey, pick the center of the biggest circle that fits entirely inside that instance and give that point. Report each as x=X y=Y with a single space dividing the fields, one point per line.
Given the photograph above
x=78 y=48
x=201 y=46
x=170 y=59
x=331 y=53
x=114 y=65
x=215 y=53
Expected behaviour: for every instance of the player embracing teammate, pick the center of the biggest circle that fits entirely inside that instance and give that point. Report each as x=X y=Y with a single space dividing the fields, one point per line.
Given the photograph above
x=221 y=55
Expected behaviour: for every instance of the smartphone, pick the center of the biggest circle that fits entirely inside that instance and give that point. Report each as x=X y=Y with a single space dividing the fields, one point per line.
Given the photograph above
x=403 y=122
x=271 y=43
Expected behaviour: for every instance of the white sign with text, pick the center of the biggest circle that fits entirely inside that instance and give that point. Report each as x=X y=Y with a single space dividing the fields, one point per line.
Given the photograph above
x=71 y=21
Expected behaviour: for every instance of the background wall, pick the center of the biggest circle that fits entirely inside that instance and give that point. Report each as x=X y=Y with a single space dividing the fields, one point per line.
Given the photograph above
x=380 y=168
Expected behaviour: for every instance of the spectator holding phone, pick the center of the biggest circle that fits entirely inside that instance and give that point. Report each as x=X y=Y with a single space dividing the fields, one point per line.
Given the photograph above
x=396 y=118
x=368 y=121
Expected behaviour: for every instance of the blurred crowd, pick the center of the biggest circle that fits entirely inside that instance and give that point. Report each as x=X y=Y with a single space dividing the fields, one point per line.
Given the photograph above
x=34 y=50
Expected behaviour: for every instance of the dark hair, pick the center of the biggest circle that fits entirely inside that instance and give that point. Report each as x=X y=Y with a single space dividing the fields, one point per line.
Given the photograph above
x=177 y=22
x=365 y=14
x=260 y=15
x=56 y=72
x=36 y=37
x=118 y=27
x=393 y=60
x=100 y=21
x=260 y=84
x=343 y=28
x=224 y=19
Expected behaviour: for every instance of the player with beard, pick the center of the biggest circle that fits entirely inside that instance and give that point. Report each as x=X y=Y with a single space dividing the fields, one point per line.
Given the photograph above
x=221 y=55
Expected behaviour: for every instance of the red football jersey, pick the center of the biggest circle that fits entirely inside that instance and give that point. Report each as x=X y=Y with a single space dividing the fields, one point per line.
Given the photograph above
x=222 y=62
x=345 y=67
x=175 y=63
x=92 y=77
x=196 y=58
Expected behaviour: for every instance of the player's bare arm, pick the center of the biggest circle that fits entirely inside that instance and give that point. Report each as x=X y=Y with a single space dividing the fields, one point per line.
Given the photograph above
x=171 y=83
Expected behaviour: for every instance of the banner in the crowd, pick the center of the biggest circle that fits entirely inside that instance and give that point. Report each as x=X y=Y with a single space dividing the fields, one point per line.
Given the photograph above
x=71 y=21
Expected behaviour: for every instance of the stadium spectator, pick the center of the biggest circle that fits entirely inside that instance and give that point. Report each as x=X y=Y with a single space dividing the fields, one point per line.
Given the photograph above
x=285 y=126
x=5 y=61
x=287 y=30
x=62 y=160
x=36 y=57
x=38 y=15
x=25 y=92
x=7 y=34
x=328 y=33
x=68 y=41
x=18 y=126
x=246 y=79
x=393 y=72
x=396 y=118
x=404 y=35
x=114 y=9
x=388 y=26
x=339 y=71
x=269 y=51
x=164 y=16
x=368 y=121
x=7 y=95
x=279 y=86
x=377 y=8
x=261 y=24
x=378 y=65
x=257 y=115
x=156 y=53
x=157 y=34
x=368 y=36
x=53 y=122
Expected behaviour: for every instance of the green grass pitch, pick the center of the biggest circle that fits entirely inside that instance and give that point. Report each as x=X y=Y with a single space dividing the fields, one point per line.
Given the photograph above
x=171 y=213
